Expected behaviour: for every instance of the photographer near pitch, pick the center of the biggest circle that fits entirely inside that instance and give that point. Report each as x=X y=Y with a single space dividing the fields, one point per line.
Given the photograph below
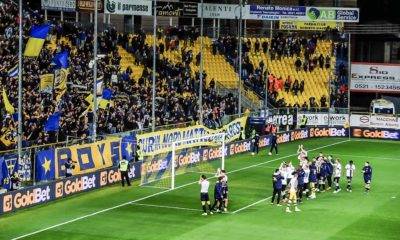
x=69 y=166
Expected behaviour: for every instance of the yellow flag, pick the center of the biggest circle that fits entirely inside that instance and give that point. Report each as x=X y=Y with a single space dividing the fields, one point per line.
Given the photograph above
x=60 y=83
x=46 y=82
x=103 y=103
x=7 y=138
x=7 y=104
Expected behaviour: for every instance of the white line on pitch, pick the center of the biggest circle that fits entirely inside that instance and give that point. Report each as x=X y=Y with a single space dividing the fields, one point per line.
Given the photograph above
x=159 y=193
x=250 y=205
x=168 y=207
x=363 y=156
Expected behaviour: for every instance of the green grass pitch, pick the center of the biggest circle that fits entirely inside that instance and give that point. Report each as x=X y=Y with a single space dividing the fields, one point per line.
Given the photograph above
x=147 y=213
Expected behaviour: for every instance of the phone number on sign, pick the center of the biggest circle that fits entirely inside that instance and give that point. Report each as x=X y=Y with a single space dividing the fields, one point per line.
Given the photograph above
x=387 y=87
x=377 y=86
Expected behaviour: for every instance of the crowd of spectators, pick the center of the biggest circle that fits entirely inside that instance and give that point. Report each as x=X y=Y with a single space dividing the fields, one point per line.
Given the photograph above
x=130 y=108
x=292 y=45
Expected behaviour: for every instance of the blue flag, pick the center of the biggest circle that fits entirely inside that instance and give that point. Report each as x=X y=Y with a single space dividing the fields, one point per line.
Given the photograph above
x=9 y=166
x=45 y=165
x=61 y=60
x=53 y=122
x=128 y=148
x=107 y=94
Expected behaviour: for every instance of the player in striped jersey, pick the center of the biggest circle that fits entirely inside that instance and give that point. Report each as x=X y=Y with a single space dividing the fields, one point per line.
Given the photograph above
x=350 y=170
x=293 y=186
x=337 y=173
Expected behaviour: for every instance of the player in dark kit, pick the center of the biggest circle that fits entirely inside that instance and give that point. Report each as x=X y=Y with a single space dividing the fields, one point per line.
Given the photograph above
x=367 y=171
x=323 y=173
x=277 y=185
x=300 y=184
x=218 y=196
x=330 y=172
x=274 y=144
x=313 y=179
x=256 y=141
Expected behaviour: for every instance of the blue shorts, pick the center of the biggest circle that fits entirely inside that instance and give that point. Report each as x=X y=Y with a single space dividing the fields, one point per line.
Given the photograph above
x=367 y=180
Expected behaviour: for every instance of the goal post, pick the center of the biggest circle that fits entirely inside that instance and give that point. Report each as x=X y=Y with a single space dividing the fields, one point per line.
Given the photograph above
x=200 y=155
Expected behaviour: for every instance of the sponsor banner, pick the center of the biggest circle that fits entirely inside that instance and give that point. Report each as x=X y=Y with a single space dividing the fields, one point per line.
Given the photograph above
x=280 y=119
x=161 y=141
x=47 y=192
x=88 y=5
x=222 y=11
x=88 y=157
x=388 y=134
x=309 y=25
x=128 y=7
x=328 y=132
x=300 y=13
x=325 y=119
x=374 y=121
x=176 y=9
x=59 y=5
x=375 y=77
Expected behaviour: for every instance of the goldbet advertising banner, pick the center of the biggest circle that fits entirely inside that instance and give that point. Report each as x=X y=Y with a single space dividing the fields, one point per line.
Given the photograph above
x=50 y=191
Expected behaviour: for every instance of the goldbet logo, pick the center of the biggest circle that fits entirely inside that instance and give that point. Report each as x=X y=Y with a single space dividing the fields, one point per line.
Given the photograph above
x=212 y=153
x=283 y=138
x=357 y=132
x=31 y=197
x=297 y=135
x=239 y=147
x=59 y=189
x=327 y=132
x=379 y=134
x=79 y=184
x=187 y=159
x=103 y=178
x=7 y=203
x=113 y=176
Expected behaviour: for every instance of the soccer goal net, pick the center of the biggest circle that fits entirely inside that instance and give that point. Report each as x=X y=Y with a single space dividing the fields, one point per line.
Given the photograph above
x=183 y=161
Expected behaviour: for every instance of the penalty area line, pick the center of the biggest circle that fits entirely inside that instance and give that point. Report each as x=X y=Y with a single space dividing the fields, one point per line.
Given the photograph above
x=250 y=205
x=167 y=207
x=160 y=193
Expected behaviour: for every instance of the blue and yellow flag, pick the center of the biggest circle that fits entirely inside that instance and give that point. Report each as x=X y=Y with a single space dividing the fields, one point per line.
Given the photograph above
x=7 y=105
x=36 y=40
x=8 y=166
x=45 y=165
